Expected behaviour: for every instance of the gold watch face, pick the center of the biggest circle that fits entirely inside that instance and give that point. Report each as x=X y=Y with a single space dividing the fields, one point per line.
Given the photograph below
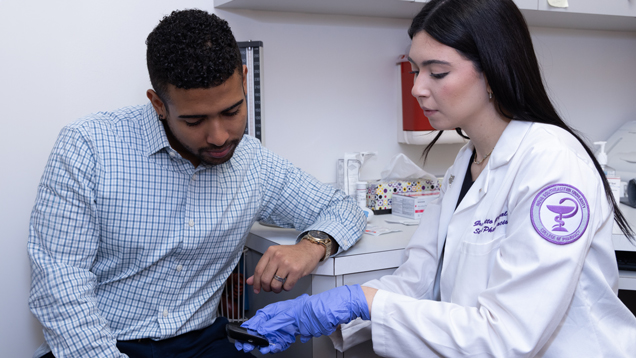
x=319 y=235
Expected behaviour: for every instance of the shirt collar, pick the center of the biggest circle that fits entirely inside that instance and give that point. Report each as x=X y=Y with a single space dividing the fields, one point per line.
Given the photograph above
x=509 y=142
x=155 y=134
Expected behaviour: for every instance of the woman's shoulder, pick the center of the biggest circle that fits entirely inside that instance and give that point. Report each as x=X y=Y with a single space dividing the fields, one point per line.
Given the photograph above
x=548 y=133
x=548 y=139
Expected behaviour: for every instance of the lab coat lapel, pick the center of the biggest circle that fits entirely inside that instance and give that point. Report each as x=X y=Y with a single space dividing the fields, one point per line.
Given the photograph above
x=505 y=148
x=454 y=224
x=449 y=201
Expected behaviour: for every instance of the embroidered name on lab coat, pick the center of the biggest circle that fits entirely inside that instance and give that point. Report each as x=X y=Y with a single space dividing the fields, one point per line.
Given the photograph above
x=489 y=225
x=560 y=213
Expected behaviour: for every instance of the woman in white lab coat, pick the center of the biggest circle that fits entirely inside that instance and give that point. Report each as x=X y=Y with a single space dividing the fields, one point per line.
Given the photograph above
x=515 y=259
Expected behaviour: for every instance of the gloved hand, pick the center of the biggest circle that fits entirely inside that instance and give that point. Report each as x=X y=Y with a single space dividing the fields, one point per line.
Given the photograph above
x=283 y=340
x=309 y=316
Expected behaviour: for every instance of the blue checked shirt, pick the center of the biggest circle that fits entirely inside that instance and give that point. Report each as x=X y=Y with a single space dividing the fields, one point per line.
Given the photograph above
x=128 y=240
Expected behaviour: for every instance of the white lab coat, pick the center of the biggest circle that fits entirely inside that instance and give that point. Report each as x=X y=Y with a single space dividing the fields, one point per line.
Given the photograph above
x=504 y=292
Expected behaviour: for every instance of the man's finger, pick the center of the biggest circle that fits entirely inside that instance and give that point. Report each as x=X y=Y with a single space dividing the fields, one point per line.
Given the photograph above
x=278 y=281
x=267 y=277
x=258 y=271
x=291 y=280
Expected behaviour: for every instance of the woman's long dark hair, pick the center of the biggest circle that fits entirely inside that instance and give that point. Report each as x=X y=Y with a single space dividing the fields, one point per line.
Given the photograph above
x=494 y=35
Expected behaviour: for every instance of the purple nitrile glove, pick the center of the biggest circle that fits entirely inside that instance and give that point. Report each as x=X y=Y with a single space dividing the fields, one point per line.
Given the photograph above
x=308 y=316
x=278 y=341
x=282 y=339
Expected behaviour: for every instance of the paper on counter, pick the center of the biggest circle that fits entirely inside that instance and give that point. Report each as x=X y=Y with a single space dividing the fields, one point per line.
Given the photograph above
x=558 y=3
x=378 y=230
x=406 y=222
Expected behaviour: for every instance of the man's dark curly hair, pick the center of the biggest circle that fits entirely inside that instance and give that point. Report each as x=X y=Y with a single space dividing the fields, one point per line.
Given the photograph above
x=191 y=49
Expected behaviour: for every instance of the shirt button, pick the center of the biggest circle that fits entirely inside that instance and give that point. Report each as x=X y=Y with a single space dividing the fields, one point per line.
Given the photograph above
x=171 y=154
x=194 y=177
x=179 y=268
x=165 y=313
x=191 y=223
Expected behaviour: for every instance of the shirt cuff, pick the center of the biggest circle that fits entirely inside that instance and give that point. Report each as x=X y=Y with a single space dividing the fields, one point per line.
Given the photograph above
x=340 y=249
x=351 y=334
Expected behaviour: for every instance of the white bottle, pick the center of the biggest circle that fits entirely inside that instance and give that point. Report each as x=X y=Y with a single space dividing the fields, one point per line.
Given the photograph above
x=613 y=179
x=361 y=198
x=361 y=193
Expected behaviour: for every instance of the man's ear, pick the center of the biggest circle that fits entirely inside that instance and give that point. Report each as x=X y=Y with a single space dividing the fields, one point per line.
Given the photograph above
x=157 y=103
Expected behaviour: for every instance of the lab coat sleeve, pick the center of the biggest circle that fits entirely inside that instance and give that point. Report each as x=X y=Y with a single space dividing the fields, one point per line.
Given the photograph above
x=531 y=283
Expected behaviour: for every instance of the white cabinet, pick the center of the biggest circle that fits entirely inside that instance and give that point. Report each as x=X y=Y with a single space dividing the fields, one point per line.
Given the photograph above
x=521 y=4
x=379 y=8
x=376 y=8
x=580 y=14
x=595 y=7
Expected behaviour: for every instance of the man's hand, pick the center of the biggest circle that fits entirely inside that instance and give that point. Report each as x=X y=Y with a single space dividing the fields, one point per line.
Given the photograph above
x=289 y=262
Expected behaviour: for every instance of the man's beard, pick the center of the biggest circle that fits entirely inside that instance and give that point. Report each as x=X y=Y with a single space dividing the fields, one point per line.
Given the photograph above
x=215 y=161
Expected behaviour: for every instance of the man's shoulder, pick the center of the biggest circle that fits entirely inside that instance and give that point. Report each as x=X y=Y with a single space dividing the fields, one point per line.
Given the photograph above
x=122 y=117
x=108 y=131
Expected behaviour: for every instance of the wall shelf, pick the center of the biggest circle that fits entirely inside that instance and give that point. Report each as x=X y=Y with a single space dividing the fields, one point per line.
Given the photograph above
x=614 y=15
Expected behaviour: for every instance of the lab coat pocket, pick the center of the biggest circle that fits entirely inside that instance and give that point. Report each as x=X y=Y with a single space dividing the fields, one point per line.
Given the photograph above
x=473 y=270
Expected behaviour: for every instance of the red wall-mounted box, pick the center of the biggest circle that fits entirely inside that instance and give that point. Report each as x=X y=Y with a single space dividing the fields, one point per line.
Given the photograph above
x=413 y=118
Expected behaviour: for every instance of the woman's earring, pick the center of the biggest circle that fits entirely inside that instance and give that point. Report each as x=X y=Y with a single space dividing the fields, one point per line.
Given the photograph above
x=489 y=95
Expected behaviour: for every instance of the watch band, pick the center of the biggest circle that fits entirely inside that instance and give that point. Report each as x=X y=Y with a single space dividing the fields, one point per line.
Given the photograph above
x=320 y=238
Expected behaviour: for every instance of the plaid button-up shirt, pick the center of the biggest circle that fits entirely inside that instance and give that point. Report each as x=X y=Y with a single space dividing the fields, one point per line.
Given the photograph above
x=128 y=240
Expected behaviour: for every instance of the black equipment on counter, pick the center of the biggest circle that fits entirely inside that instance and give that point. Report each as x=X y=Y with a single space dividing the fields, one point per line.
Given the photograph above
x=630 y=197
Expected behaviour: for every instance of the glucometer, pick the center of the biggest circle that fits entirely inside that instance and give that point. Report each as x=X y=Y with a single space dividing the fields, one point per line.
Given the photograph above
x=235 y=331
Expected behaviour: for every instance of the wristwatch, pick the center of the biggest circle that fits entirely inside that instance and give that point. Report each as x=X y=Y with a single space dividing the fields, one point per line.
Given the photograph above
x=320 y=238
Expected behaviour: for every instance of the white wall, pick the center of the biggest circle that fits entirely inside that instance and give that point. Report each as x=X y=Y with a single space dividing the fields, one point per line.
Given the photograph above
x=328 y=89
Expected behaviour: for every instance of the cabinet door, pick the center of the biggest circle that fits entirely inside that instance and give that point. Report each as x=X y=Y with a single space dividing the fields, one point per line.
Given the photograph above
x=597 y=7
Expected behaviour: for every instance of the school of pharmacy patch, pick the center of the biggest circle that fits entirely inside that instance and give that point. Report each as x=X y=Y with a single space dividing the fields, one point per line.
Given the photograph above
x=560 y=213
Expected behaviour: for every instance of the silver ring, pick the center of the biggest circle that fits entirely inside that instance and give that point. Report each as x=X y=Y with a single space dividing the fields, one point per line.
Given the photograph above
x=280 y=279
